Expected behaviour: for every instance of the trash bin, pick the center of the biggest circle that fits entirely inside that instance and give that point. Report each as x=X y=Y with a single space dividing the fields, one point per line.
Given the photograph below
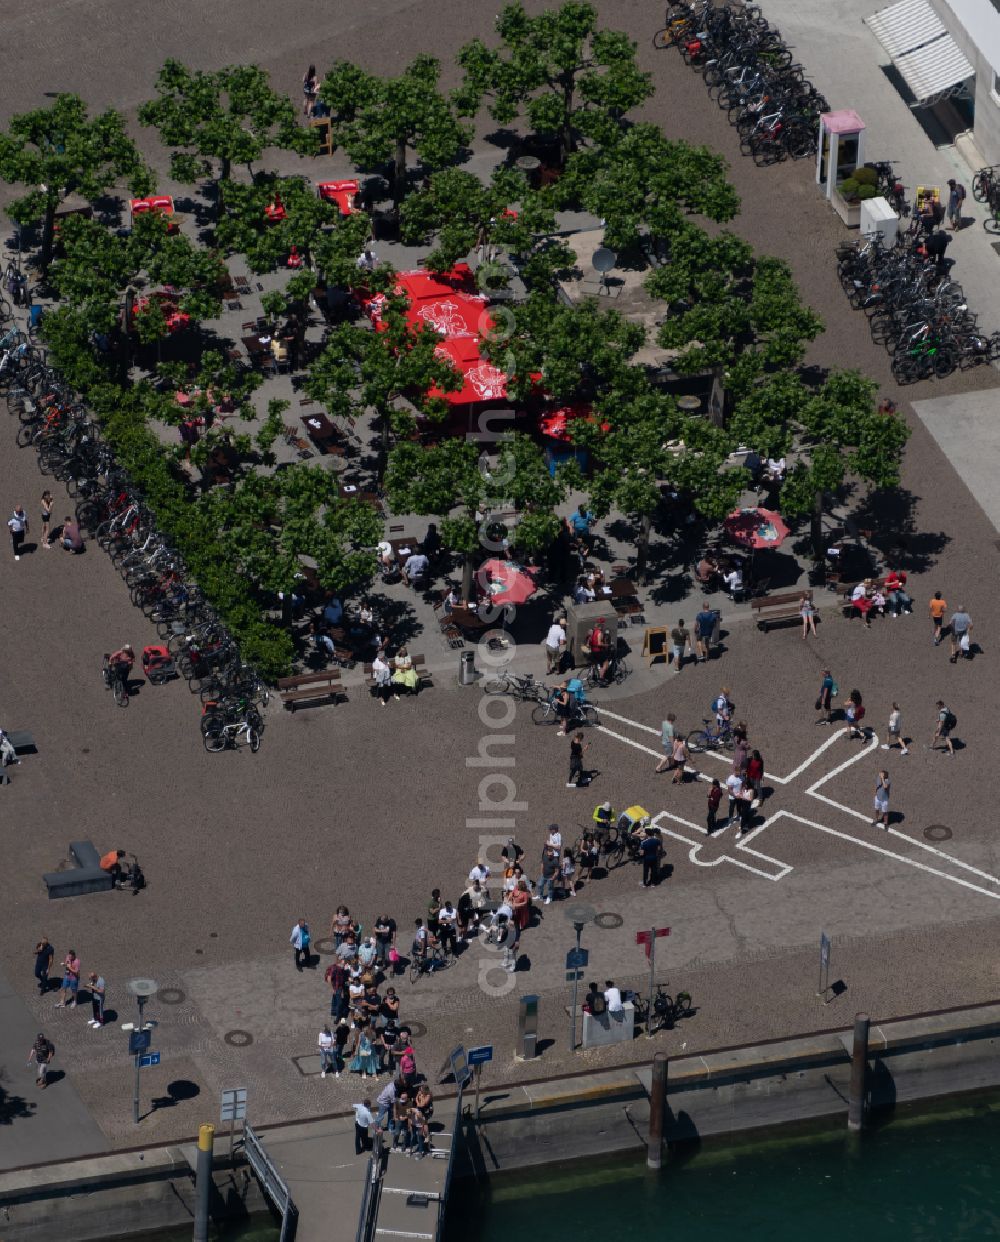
x=467 y=668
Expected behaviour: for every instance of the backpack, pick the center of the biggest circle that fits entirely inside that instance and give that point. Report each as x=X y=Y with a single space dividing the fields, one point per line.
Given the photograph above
x=598 y=1004
x=575 y=687
x=950 y=719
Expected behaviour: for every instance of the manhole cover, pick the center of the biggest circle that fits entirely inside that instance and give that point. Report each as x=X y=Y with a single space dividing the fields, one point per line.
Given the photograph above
x=213 y=935
x=238 y=1039
x=199 y=952
x=938 y=832
x=327 y=946
x=171 y=996
x=85 y=750
x=417 y=1029
x=608 y=922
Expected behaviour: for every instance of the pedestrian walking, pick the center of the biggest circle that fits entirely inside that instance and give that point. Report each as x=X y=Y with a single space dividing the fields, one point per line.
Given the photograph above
x=546 y=881
x=704 y=630
x=956 y=200
x=896 y=731
x=555 y=645
x=310 y=88
x=745 y=805
x=363 y=1121
x=882 y=788
x=17 y=524
x=741 y=751
x=680 y=639
x=567 y=871
x=299 y=940
x=946 y=723
x=855 y=713
x=714 y=798
x=667 y=729
x=44 y=953
x=577 y=749
x=937 y=608
x=98 y=990
x=680 y=758
x=824 y=700
x=70 y=982
x=960 y=626
x=341 y=1035
x=807 y=611
x=723 y=707
x=42 y=1052
x=46 y=506
x=325 y=1044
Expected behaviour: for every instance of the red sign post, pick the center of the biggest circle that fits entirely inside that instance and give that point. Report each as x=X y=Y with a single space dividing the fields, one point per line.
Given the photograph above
x=649 y=939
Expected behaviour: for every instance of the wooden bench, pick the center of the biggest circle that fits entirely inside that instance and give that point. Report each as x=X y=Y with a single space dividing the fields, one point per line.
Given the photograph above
x=22 y=741
x=771 y=610
x=85 y=876
x=311 y=687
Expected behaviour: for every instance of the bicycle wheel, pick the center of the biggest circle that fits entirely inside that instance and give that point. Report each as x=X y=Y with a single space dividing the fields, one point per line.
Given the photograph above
x=683 y=1004
x=214 y=739
x=120 y=691
x=416 y=968
x=587 y=715
x=544 y=714
x=665 y=38
x=253 y=737
x=701 y=741
x=981 y=187
x=497 y=685
x=616 y=853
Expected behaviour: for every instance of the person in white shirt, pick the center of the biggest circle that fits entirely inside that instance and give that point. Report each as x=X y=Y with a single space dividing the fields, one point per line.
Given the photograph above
x=583 y=593
x=382 y=677
x=734 y=579
x=416 y=567
x=555 y=645
x=479 y=872
x=367 y=260
x=612 y=996
x=734 y=783
x=325 y=1044
x=776 y=469
x=554 y=838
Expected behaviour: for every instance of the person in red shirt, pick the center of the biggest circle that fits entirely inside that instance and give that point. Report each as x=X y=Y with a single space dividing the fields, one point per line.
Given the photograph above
x=755 y=773
x=895 y=590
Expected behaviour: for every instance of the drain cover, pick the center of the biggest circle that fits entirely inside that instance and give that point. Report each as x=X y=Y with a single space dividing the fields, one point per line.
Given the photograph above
x=171 y=996
x=238 y=1039
x=608 y=921
x=938 y=832
x=417 y=1029
x=327 y=946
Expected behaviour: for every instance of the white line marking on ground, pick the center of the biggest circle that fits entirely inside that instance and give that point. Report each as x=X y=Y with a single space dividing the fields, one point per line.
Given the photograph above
x=878 y=849
x=782 y=869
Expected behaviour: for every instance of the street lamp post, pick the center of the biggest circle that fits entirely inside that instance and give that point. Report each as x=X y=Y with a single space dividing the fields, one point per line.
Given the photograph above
x=142 y=990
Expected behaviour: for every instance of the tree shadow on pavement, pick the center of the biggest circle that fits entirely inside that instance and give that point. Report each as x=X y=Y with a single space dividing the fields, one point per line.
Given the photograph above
x=892 y=516
x=13 y=1107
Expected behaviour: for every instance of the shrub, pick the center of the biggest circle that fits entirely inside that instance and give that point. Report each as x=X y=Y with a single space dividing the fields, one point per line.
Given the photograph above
x=848 y=188
x=865 y=176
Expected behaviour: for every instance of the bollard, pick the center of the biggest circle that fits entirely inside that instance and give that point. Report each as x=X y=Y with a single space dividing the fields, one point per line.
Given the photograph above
x=203 y=1182
x=527 y=1028
x=859 y=1066
x=657 y=1111
x=467 y=674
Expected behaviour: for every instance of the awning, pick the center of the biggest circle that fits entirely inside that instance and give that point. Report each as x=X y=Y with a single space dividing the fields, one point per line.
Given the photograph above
x=920 y=47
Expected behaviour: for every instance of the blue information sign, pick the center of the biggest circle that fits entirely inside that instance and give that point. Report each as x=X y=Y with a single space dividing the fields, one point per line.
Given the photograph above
x=480 y=1056
x=151 y=1058
x=139 y=1041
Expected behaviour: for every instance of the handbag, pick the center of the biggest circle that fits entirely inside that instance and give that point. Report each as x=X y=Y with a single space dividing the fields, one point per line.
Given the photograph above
x=393 y=955
x=964 y=642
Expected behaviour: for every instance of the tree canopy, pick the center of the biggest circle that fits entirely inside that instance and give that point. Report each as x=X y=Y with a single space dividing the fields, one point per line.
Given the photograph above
x=379 y=120
x=557 y=68
x=217 y=118
x=60 y=151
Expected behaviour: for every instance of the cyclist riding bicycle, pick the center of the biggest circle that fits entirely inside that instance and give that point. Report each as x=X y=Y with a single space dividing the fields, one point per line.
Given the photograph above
x=603 y=817
x=120 y=664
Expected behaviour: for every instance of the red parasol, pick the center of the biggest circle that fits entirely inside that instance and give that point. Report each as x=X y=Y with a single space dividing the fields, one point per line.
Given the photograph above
x=506 y=583
x=756 y=528
x=342 y=193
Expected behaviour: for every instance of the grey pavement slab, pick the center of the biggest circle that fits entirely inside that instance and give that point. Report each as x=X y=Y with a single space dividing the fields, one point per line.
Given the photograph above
x=967 y=430
x=324 y=1177
x=36 y=1125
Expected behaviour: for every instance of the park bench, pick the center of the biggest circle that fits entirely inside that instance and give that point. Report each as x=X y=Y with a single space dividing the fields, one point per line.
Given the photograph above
x=771 y=610
x=311 y=687
x=847 y=590
x=85 y=876
x=419 y=667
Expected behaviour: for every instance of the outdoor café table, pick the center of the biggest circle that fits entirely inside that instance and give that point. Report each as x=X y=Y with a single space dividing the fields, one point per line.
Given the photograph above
x=255 y=347
x=466 y=619
x=404 y=548
x=320 y=430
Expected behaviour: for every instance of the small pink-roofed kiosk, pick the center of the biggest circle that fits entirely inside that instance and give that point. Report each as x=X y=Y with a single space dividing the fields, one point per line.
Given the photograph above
x=841 y=147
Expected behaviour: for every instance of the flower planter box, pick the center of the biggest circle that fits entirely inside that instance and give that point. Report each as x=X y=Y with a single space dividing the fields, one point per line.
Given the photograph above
x=849 y=212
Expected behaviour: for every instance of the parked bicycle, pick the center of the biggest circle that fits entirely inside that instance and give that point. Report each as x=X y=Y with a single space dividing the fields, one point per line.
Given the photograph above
x=547 y=713
x=219 y=734
x=713 y=737
x=667 y=1010
x=525 y=689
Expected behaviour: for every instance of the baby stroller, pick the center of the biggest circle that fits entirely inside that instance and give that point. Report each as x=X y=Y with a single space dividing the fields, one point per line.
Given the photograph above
x=158 y=665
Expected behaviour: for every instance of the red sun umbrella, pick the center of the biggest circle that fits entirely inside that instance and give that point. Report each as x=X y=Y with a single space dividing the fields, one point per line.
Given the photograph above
x=505 y=583
x=756 y=528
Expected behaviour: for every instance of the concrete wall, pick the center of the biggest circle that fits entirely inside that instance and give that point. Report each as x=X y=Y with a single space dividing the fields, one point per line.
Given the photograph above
x=712 y=1095
x=975 y=27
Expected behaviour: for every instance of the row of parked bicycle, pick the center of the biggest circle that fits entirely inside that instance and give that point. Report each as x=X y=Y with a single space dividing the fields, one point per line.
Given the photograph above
x=195 y=642
x=915 y=308
x=750 y=73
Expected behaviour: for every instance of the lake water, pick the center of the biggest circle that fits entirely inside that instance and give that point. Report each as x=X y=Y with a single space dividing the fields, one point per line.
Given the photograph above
x=923 y=1176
